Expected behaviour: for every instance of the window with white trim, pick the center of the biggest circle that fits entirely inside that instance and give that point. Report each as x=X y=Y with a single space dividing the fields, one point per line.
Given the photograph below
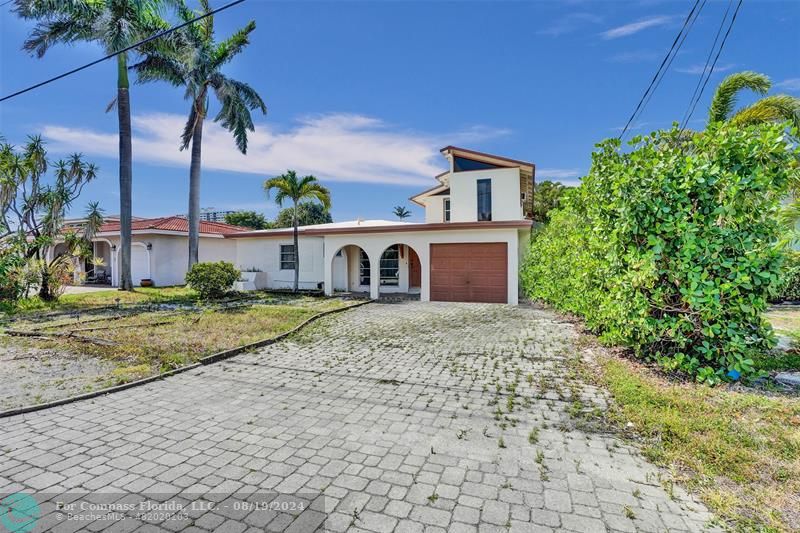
x=287 y=256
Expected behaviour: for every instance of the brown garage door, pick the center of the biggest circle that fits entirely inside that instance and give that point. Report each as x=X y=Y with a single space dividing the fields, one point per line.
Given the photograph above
x=469 y=272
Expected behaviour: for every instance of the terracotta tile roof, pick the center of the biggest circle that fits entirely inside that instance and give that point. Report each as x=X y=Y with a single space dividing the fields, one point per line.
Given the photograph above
x=174 y=223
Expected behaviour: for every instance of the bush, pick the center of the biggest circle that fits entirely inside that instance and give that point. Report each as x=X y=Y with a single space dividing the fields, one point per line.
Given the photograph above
x=669 y=248
x=212 y=280
x=789 y=289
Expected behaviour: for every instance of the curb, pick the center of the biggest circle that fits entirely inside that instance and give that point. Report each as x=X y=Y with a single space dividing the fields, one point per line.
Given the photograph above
x=207 y=360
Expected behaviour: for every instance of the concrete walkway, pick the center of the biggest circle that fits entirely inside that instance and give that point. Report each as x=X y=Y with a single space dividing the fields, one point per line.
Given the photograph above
x=393 y=417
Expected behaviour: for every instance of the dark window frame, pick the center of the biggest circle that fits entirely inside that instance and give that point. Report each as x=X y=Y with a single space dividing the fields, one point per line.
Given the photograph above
x=364 y=270
x=484 y=199
x=390 y=266
x=290 y=254
x=446 y=209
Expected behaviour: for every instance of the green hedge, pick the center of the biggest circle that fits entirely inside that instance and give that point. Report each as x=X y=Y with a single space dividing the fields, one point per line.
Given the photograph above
x=789 y=288
x=212 y=280
x=669 y=247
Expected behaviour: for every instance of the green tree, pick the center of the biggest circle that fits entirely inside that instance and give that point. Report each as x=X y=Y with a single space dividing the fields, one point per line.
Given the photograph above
x=248 y=219
x=547 y=195
x=401 y=212
x=194 y=60
x=773 y=108
x=300 y=191
x=114 y=25
x=308 y=214
x=32 y=209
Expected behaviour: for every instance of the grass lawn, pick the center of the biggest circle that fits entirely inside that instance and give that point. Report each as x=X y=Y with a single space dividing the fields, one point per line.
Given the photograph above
x=740 y=451
x=132 y=341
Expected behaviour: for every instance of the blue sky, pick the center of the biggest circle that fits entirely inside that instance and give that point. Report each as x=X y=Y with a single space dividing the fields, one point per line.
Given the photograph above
x=364 y=94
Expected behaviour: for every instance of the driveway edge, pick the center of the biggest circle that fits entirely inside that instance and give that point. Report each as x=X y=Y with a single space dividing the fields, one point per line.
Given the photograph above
x=207 y=360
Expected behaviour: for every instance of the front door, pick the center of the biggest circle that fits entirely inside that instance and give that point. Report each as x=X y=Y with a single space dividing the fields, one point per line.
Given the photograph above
x=414 y=269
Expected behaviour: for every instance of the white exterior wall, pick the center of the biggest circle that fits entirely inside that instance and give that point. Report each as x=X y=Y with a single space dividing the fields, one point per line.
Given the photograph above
x=375 y=243
x=434 y=209
x=264 y=253
x=506 y=204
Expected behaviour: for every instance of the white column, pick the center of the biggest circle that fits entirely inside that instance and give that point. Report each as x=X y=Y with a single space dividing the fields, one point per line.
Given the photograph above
x=513 y=270
x=374 y=273
x=328 y=271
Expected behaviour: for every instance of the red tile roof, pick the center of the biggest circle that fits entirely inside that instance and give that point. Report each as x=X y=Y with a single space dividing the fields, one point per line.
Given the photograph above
x=174 y=223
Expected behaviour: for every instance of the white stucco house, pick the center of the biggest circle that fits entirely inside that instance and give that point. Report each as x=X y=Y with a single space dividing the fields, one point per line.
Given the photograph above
x=477 y=221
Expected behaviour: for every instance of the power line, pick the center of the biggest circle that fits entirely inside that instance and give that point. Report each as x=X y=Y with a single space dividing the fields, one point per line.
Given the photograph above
x=114 y=54
x=708 y=60
x=671 y=59
x=660 y=68
x=714 y=64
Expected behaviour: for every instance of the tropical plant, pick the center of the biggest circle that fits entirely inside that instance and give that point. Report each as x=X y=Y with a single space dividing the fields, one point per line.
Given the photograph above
x=669 y=247
x=114 y=25
x=547 y=195
x=308 y=214
x=773 y=108
x=194 y=60
x=299 y=190
x=401 y=212
x=212 y=280
x=32 y=210
x=248 y=219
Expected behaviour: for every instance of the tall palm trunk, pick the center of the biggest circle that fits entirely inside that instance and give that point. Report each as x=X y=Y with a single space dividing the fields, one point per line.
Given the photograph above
x=125 y=173
x=296 y=251
x=194 y=183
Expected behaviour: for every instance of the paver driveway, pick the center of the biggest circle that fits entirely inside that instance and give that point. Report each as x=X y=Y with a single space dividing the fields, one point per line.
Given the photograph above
x=389 y=417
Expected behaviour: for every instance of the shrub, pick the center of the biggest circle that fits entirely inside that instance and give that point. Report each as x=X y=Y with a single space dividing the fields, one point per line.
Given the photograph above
x=212 y=280
x=789 y=288
x=669 y=248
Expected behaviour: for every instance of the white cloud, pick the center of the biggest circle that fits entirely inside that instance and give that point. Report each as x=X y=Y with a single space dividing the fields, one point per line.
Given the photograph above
x=557 y=173
x=569 y=23
x=636 y=56
x=334 y=147
x=636 y=27
x=700 y=69
x=792 y=84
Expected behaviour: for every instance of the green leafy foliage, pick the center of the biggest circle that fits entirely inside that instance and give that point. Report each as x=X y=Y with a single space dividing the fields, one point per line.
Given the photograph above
x=307 y=214
x=669 y=248
x=248 y=219
x=547 y=195
x=789 y=288
x=212 y=280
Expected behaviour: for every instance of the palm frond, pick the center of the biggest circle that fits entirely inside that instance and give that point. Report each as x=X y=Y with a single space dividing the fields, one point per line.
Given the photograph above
x=724 y=99
x=188 y=129
x=159 y=67
x=775 y=108
x=230 y=47
x=63 y=29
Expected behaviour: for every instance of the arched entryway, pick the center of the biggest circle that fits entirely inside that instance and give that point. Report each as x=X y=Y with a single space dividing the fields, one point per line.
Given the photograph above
x=351 y=269
x=400 y=270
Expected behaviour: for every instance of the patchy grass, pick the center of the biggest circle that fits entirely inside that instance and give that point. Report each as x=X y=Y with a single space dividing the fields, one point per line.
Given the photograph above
x=143 y=341
x=784 y=319
x=89 y=300
x=739 y=451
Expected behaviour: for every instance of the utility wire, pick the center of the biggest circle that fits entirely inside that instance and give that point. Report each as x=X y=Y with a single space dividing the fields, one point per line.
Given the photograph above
x=671 y=59
x=708 y=61
x=714 y=64
x=126 y=49
x=660 y=68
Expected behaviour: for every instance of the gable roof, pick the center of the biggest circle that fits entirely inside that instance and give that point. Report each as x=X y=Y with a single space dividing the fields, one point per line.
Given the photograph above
x=173 y=224
x=484 y=157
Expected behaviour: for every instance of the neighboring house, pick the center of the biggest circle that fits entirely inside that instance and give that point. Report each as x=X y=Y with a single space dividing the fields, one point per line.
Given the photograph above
x=477 y=222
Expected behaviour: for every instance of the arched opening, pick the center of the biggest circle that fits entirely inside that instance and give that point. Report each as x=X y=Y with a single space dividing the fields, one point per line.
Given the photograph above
x=100 y=273
x=400 y=270
x=351 y=270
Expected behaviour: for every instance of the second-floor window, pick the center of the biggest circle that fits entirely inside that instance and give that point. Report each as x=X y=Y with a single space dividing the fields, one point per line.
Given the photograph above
x=287 y=256
x=485 y=199
x=447 y=209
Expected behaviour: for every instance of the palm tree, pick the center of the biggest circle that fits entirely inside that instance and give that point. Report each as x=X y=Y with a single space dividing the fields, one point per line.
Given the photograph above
x=773 y=108
x=401 y=212
x=115 y=25
x=194 y=60
x=289 y=187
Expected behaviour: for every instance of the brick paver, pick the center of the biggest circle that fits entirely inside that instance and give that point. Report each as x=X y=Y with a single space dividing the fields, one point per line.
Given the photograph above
x=388 y=418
